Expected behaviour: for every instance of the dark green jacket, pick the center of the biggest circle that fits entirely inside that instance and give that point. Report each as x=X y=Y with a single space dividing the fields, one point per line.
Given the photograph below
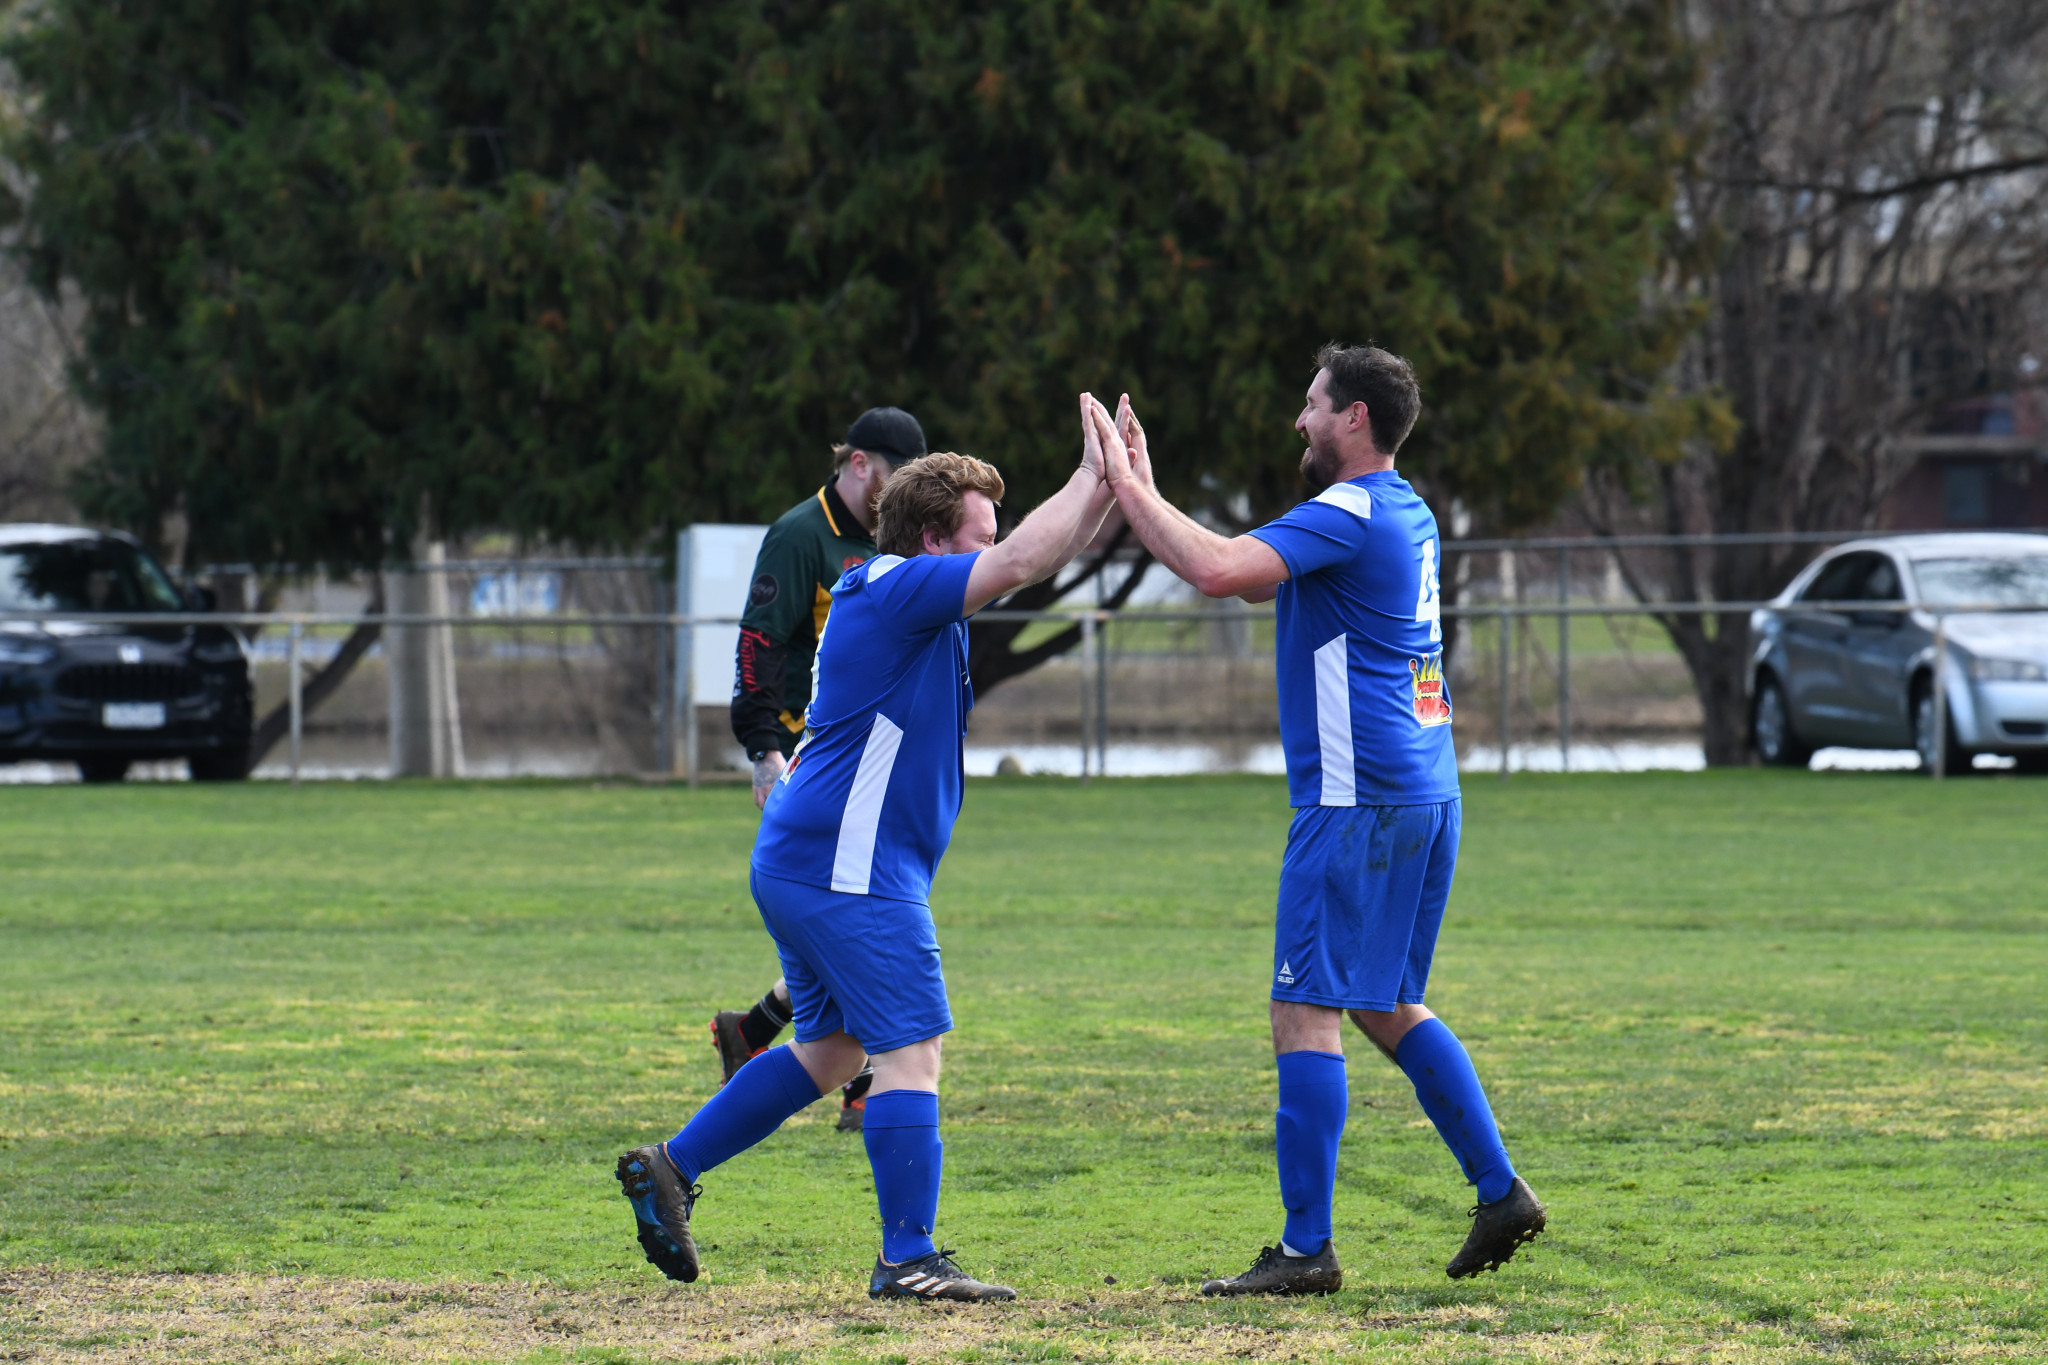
x=806 y=551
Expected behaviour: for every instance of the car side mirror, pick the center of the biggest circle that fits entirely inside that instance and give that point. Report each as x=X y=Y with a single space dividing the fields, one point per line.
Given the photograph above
x=1888 y=620
x=202 y=599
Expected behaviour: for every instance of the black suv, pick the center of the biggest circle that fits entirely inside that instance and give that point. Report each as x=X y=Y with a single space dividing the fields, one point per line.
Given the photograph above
x=104 y=696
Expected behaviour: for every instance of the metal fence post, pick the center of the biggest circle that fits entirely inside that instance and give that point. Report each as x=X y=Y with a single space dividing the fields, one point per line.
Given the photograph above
x=1507 y=687
x=686 y=685
x=1087 y=658
x=458 y=762
x=665 y=691
x=296 y=694
x=1940 y=697
x=683 y=695
x=1102 y=696
x=1564 y=660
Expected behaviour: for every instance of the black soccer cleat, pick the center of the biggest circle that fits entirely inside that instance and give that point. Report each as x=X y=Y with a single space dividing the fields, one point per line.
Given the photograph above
x=734 y=1051
x=932 y=1278
x=1499 y=1230
x=1275 y=1272
x=662 y=1202
x=853 y=1101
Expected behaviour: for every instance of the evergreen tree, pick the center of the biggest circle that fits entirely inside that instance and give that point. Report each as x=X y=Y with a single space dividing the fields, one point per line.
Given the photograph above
x=591 y=269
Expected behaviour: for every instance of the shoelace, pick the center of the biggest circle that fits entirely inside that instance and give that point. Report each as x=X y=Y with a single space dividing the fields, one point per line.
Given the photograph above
x=695 y=1192
x=933 y=1275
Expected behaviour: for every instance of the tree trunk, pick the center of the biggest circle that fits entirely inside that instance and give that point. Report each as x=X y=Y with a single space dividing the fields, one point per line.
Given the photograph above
x=990 y=660
x=323 y=684
x=1723 y=687
x=1829 y=228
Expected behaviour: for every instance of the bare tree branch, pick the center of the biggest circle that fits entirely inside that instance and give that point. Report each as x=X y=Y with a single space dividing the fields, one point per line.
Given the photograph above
x=1851 y=194
x=1870 y=195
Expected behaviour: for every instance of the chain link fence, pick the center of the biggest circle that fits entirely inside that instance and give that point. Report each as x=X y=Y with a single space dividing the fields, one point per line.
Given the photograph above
x=567 y=668
x=539 y=667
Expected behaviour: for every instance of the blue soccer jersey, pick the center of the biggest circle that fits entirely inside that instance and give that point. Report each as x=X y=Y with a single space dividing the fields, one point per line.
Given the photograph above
x=1365 y=713
x=868 y=802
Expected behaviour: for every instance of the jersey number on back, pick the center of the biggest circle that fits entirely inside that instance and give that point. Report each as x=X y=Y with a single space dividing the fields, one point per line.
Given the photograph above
x=1429 y=598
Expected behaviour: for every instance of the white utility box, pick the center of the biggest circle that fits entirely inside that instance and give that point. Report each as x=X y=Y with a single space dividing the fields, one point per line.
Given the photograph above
x=714 y=569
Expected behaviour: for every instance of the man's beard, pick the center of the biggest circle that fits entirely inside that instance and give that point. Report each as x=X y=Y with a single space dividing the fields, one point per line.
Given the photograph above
x=1318 y=468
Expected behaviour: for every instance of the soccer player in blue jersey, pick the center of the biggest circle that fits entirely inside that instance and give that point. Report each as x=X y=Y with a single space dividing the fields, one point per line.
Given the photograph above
x=842 y=868
x=1365 y=720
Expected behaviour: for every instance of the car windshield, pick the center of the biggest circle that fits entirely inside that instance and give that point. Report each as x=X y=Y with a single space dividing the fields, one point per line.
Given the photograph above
x=2021 y=581
x=83 y=575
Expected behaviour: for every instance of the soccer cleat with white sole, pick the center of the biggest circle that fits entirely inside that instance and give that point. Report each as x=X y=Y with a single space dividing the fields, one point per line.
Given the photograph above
x=932 y=1278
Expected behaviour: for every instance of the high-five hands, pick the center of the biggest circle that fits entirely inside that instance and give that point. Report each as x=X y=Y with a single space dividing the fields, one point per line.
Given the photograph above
x=1218 y=566
x=1091 y=438
x=1133 y=435
x=1105 y=442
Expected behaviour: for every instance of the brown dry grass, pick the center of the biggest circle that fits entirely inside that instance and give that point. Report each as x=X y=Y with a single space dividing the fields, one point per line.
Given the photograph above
x=71 y=1316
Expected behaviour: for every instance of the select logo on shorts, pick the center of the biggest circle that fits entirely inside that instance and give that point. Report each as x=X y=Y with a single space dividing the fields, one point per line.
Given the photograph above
x=1285 y=976
x=1426 y=676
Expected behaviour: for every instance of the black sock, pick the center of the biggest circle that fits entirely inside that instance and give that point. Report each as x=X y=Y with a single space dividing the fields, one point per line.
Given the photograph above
x=858 y=1086
x=768 y=1018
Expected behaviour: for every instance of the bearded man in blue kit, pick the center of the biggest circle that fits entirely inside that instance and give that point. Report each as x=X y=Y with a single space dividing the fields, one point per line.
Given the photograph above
x=1373 y=779
x=842 y=868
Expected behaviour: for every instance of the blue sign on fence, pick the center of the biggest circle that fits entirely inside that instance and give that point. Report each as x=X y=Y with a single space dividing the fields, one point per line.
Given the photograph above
x=515 y=594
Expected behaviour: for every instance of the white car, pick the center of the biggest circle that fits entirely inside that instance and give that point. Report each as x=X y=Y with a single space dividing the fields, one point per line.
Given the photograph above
x=1846 y=654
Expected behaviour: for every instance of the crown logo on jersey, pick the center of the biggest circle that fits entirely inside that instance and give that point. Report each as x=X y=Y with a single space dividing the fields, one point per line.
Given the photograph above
x=1427 y=677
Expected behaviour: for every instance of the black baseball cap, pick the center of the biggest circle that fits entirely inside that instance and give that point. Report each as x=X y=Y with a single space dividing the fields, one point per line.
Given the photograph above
x=889 y=432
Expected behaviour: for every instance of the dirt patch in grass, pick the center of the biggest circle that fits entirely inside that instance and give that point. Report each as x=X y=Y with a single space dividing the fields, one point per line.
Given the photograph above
x=71 y=1316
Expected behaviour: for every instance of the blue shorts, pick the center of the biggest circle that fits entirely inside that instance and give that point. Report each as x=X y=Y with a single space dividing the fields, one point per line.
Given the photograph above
x=1362 y=893
x=864 y=965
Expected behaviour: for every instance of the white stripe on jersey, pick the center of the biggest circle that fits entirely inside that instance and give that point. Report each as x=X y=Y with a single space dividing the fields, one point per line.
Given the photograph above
x=881 y=564
x=854 y=861
x=1350 y=497
x=1333 y=722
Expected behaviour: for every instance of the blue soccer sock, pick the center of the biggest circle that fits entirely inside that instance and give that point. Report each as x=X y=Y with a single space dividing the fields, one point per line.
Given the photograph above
x=752 y=1105
x=1451 y=1095
x=1314 y=1098
x=901 y=1129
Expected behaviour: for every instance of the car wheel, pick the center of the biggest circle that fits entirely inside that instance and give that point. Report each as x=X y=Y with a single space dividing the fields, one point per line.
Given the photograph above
x=1770 y=726
x=1955 y=760
x=225 y=765
x=102 y=769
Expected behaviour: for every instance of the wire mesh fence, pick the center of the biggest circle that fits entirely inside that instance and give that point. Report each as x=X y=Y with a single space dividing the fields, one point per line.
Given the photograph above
x=536 y=667
x=569 y=667
x=566 y=699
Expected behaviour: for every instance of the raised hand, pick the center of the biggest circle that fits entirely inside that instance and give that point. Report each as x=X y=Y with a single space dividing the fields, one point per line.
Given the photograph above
x=1133 y=435
x=1091 y=439
x=1116 y=457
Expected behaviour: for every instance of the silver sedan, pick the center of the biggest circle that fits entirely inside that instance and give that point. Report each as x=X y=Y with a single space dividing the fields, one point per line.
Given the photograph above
x=1846 y=655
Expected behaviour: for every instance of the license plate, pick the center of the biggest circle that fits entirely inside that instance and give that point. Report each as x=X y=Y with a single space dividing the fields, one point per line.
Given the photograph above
x=133 y=715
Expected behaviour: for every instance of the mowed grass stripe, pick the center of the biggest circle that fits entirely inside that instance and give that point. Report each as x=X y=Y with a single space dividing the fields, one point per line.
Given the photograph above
x=1770 y=1044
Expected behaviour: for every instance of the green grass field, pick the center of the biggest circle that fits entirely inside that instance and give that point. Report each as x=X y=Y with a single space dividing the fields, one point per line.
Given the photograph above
x=340 y=1072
